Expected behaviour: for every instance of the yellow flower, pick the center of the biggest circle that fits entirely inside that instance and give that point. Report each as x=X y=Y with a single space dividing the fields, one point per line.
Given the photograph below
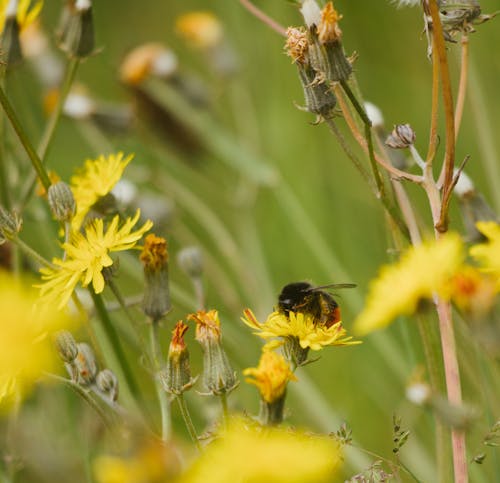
x=488 y=254
x=96 y=179
x=25 y=346
x=300 y=326
x=27 y=12
x=271 y=376
x=421 y=272
x=87 y=255
x=201 y=29
x=252 y=454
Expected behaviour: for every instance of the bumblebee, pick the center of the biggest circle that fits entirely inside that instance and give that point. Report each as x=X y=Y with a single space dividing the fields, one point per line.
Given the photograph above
x=316 y=301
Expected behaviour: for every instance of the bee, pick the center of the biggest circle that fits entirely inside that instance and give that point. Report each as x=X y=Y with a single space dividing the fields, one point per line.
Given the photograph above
x=316 y=301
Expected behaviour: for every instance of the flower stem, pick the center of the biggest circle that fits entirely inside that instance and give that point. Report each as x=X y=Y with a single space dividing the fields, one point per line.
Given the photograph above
x=21 y=134
x=225 y=410
x=114 y=342
x=162 y=395
x=462 y=86
x=256 y=12
x=433 y=134
x=32 y=253
x=188 y=421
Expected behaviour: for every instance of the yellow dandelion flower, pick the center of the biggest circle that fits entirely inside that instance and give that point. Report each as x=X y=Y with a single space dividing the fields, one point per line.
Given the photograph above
x=488 y=254
x=202 y=29
x=96 y=179
x=26 y=349
x=27 y=12
x=87 y=256
x=253 y=454
x=300 y=326
x=271 y=376
x=421 y=272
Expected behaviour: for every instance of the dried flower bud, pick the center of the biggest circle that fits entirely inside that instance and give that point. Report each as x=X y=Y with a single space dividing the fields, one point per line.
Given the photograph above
x=296 y=45
x=271 y=378
x=10 y=225
x=154 y=258
x=190 y=259
x=66 y=346
x=148 y=59
x=218 y=375
x=318 y=97
x=76 y=32
x=328 y=28
x=176 y=378
x=401 y=137
x=61 y=201
x=107 y=383
x=85 y=365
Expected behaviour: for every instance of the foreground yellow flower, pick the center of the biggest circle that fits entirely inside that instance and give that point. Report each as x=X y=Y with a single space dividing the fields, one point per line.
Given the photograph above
x=96 y=179
x=27 y=12
x=421 y=272
x=25 y=346
x=300 y=326
x=271 y=376
x=201 y=29
x=251 y=454
x=488 y=254
x=87 y=256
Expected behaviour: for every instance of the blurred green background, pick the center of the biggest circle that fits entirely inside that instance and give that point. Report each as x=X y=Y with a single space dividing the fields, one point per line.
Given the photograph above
x=262 y=243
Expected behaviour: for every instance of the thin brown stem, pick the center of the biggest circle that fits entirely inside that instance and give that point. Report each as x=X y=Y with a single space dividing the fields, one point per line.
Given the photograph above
x=397 y=173
x=439 y=49
x=258 y=13
x=462 y=86
x=433 y=136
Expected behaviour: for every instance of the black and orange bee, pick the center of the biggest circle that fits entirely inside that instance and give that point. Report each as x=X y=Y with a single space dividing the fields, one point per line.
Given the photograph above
x=316 y=301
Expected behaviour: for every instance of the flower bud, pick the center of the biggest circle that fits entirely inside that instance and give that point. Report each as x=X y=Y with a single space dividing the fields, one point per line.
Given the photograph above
x=218 y=375
x=61 y=201
x=176 y=378
x=271 y=378
x=401 y=137
x=10 y=45
x=10 y=225
x=190 y=259
x=76 y=32
x=85 y=365
x=154 y=258
x=66 y=346
x=107 y=383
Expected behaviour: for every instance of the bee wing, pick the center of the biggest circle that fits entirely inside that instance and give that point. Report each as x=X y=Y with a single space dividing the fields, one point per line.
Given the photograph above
x=332 y=285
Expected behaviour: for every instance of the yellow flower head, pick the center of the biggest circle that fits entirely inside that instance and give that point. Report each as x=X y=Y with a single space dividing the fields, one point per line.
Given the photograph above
x=27 y=12
x=488 y=254
x=296 y=45
x=207 y=325
x=26 y=349
x=328 y=28
x=96 y=179
x=202 y=29
x=154 y=254
x=253 y=454
x=87 y=255
x=421 y=272
x=301 y=326
x=271 y=376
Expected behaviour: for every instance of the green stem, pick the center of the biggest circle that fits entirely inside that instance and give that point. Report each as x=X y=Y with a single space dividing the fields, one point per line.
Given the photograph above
x=188 y=421
x=32 y=253
x=30 y=150
x=225 y=410
x=114 y=342
x=4 y=185
x=162 y=395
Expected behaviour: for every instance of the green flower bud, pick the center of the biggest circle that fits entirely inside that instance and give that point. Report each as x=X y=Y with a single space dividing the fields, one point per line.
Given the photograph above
x=61 y=201
x=10 y=225
x=107 y=383
x=76 y=31
x=66 y=346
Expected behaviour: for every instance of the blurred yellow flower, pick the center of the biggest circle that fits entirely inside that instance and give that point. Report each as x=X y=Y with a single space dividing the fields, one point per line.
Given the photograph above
x=421 y=272
x=25 y=347
x=271 y=376
x=201 y=29
x=301 y=326
x=27 y=12
x=252 y=454
x=87 y=255
x=96 y=179
x=488 y=254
